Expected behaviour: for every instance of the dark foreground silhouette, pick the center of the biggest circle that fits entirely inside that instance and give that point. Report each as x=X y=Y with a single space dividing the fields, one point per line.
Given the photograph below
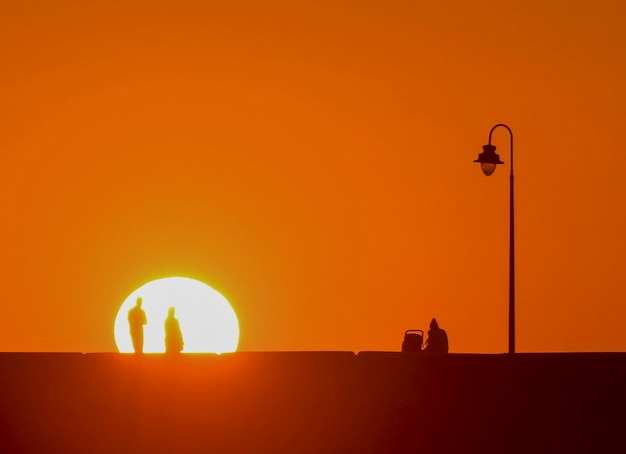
x=136 y=321
x=312 y=402
x=437 y=341
x=173 y=335
x=413 y=340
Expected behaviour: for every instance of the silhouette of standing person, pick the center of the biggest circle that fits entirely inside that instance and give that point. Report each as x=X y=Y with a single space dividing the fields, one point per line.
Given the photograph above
x=136 y=320
x=173 y=336
x=437 y=338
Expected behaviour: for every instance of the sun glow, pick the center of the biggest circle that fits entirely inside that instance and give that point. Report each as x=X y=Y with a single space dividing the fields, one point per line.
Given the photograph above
x=207 y=320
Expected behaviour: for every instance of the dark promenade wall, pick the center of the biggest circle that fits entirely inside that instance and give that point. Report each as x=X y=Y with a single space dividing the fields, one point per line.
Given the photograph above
x=303 y=402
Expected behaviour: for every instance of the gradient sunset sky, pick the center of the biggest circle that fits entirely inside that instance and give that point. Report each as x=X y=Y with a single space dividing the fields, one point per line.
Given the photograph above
x=312 y=161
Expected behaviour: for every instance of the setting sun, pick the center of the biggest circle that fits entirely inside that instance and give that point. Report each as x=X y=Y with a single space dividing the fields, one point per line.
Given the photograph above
x=207 y=321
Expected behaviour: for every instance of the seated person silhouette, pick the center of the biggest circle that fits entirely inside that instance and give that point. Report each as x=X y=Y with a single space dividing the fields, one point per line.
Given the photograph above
x=136 y=320
x=437 y=338
x=173 y=336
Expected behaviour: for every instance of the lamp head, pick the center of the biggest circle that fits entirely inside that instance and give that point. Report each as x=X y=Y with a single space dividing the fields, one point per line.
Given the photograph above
x=488 y=159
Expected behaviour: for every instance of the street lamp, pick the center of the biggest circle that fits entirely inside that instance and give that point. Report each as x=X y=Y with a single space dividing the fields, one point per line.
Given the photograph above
x=488 y=160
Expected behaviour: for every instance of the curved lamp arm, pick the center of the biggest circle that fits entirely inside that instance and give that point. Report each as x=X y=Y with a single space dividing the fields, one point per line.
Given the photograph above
x=510 y=134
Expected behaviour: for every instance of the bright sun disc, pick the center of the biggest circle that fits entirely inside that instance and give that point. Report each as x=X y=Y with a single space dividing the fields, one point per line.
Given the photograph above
x=207 y=320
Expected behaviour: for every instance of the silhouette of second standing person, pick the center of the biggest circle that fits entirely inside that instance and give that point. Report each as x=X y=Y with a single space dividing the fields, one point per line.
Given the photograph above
x=173 y=335
x=437 y=338
x=136 y=320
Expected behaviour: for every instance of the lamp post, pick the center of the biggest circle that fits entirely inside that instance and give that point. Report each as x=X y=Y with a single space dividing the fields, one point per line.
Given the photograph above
x=488 y=160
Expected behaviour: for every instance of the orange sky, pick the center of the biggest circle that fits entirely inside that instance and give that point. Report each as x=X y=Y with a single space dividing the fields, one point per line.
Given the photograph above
x=312 y=161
